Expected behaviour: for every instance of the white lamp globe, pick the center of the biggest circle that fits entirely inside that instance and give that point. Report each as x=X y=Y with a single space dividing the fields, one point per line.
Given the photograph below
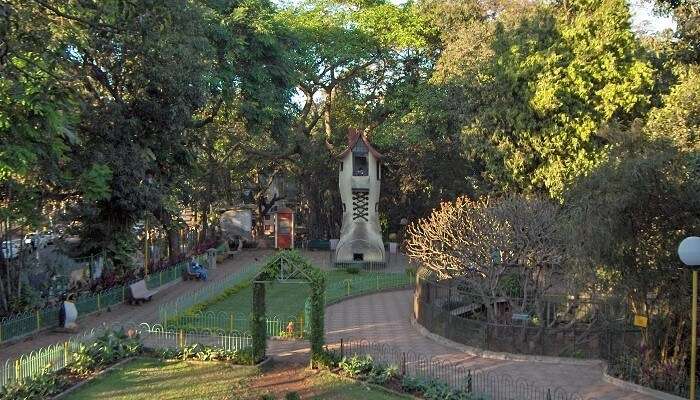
x=689 y=251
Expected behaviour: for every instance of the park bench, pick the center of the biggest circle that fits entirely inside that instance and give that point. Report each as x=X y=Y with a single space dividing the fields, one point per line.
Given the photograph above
x=317 y=244
x=138 y=292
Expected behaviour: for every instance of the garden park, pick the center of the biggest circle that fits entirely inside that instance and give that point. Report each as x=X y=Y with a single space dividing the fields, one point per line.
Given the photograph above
x=345 y=199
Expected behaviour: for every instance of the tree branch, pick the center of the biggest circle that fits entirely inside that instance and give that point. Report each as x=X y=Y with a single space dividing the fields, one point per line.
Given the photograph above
x=75 y=18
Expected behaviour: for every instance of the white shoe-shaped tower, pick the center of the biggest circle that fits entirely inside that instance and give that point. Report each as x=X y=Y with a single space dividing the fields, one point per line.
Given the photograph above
x=359 y=183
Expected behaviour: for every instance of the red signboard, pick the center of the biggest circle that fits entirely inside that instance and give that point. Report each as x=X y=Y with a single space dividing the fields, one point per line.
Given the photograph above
x=284 y=229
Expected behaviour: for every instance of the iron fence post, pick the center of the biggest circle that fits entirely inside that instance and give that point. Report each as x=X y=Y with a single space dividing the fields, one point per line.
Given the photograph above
x=403 y=363
x=469 y=381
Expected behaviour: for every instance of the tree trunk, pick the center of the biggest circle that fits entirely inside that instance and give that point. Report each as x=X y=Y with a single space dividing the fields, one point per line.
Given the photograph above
x=173 y=243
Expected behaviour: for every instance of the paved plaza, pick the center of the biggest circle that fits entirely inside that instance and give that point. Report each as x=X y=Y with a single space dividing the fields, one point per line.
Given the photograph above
x=381 y=318
x=385 y=318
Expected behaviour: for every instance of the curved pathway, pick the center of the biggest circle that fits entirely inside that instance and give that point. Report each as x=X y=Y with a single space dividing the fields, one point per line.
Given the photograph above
x=385 y=318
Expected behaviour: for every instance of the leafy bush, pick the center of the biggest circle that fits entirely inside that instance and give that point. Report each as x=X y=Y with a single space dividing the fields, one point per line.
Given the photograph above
x=292 y=396
x=326 y=359
x=352 y=270
x=381 y=374
x=287 y=335
x=436 y=390
x=207 y=353
x=357 y=366
x=106 y=349
x=40 y=387
x=166 y=353
x=412 y=384
x=267 y=397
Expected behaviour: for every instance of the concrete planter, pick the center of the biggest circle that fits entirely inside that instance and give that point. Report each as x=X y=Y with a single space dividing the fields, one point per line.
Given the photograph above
x=393 y=247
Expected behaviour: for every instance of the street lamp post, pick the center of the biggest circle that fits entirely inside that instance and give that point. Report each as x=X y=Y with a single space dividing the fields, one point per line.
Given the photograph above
x=689 y=253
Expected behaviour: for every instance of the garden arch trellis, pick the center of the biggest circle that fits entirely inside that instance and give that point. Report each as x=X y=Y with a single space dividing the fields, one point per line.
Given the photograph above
x=290 y=267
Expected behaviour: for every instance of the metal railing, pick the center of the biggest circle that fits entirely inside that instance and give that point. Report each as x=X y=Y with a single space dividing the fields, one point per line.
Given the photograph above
x=492 y=385
x=184 y=303
x=58 y=356
x=391 y=262
x=236 y=322
x=179 y=314
x=367 y=284
x=27 y=323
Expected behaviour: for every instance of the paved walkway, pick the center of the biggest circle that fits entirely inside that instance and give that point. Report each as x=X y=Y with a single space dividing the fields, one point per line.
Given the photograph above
x=385 y=318
x=148 y=312
x=380 y=318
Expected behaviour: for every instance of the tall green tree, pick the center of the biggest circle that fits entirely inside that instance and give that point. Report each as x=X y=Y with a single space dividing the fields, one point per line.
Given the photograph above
x=551 y=79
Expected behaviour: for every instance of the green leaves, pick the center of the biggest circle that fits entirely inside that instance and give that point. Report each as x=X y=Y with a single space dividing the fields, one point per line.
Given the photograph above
x=95 y=182
x=554 y=78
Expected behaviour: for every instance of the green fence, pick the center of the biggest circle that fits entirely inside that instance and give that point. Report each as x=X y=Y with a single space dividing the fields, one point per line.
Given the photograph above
x=182 y=304
x=367 y=284
x=58 y=356
x=179 y=315
x=27 y=323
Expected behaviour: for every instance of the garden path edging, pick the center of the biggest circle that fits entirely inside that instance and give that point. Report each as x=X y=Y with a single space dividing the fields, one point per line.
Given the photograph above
x=495 y=355
x=353 y=296
x=657 y=394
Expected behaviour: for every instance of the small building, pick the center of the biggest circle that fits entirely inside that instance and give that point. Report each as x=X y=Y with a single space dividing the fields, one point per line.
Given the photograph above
x=359 y=184
x=284 y=228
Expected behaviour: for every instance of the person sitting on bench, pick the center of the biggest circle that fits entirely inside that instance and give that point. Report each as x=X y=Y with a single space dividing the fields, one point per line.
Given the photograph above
x=198 y=270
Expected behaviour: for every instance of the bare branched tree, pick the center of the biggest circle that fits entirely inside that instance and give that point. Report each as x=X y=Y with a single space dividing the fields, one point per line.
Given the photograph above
x=477 y=243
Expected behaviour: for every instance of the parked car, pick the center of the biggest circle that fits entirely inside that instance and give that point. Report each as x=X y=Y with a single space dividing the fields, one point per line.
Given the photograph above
x=49 y=236
x=35 y=240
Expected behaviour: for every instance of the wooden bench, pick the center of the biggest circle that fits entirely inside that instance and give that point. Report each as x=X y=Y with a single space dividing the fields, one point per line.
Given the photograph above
x=138 y=293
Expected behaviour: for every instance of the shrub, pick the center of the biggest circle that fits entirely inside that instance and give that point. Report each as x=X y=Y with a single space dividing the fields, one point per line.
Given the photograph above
x=267 y=397
x=106 y=349
x=326 y=359
x=39 y=387
x=357 y=366
x=436 y=390
x=352 y=270
x=381 y=374
x=208 y=353
x=292 y=396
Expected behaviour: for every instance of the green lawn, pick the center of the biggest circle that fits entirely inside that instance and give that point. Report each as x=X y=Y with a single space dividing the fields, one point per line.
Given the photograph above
x=161 y=380
x=282 y=299
x=333 y=387
x=182 y=380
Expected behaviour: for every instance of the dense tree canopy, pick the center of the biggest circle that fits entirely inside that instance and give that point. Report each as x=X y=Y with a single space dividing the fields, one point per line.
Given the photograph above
x=120 y=111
